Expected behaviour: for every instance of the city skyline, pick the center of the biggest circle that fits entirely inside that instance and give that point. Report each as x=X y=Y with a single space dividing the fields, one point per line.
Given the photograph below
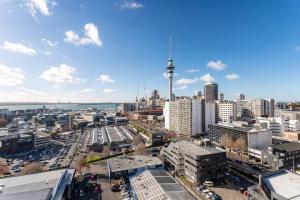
x=90 y=51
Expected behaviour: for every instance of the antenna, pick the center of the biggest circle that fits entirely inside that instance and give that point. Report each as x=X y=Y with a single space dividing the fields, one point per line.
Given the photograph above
x=138 y=92
x=170 y=47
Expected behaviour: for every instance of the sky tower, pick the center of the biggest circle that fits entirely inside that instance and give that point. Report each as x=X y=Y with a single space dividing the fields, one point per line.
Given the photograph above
x=170 y=69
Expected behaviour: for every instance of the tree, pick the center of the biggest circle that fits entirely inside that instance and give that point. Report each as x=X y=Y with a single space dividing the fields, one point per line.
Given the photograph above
x=81 y=166
x=226 y=141
x=32 y=168
x=54 y=134
x=169 y=136
x=240 y=145
x=3 y=123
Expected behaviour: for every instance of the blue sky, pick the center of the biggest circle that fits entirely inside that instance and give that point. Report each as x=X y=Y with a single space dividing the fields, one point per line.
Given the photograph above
x=96 y=51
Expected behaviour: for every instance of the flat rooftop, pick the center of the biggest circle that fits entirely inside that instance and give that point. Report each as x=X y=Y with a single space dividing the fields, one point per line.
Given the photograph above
x=35 y=186
x=284 y=183
x=158 y=185
x=132 y=162
x=113 y=134
x=194 y=149
x=289 y=147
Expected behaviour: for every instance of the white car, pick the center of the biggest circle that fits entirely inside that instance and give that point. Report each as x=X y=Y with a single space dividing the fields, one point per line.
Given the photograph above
x=81 y=193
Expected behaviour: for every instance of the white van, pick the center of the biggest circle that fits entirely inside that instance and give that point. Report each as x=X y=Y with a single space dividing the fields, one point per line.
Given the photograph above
x=208 y=183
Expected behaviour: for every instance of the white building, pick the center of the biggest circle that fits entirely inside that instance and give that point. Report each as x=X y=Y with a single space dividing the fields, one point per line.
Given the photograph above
x=227 y=111
x=196 y=117
x=210 y=114
x=278 y=125
x=184 y=116
x=274 y=124
x=166 y=113
x=293 y=125
x=259 y=138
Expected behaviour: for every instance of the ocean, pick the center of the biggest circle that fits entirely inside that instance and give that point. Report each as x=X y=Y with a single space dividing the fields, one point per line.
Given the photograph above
x=65 y=106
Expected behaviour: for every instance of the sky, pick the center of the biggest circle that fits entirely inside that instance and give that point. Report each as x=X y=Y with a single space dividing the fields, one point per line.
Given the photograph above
x=114 y=50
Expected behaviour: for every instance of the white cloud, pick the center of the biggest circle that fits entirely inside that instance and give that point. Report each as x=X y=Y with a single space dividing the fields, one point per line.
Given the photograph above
x=103 y=78
x=42 y=6
x=130 y=4
x=29 y=92
x=91 y=36
x=232 y=77
x=87 y=90
x=108 y=90
x=11 y=76
x=48 y=53
x=216 y=65
x=18 y=48
x=182 y=87
x=81 y=92
x=207 y=78
x=193 y=70
x=62 y=74
x=185 y=81
x=49 y=42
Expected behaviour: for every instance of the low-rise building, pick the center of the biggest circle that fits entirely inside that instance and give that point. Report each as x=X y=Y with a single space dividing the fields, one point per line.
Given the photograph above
x=41 y=140
x=288 y=155
x=196 y=163
x=292 y=135
x=16 y=140
x=50 y=185
x=157 y=184
x=277 y=185
x=128 y=165
x=254 y=137
x=157 y=137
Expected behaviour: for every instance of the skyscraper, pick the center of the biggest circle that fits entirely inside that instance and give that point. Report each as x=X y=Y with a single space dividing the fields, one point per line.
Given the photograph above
x=211 y=92
x=170 y=69
x=240 y=97
x=221 y=97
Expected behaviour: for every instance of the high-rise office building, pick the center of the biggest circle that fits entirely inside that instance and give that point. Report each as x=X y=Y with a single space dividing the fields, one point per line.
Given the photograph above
x=221 y=97
x=211 y=92
x=262 y=107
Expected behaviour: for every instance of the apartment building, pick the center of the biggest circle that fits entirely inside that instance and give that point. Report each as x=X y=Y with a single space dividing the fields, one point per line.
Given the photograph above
x=227 y=111
x=210 y=114
x=196 y=163
x=262 y=107
x=184 y=116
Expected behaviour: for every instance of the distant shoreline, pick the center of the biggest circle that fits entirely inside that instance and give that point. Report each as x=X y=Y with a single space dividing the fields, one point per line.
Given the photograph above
x=58 y=103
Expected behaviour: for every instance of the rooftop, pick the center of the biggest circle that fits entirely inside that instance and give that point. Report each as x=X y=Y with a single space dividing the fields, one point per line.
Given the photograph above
x=238 y=128
x=293 y=146
x=158 y=185
x=35 y=186
x=132 y=162
x=284 y=183
x=193 y=149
